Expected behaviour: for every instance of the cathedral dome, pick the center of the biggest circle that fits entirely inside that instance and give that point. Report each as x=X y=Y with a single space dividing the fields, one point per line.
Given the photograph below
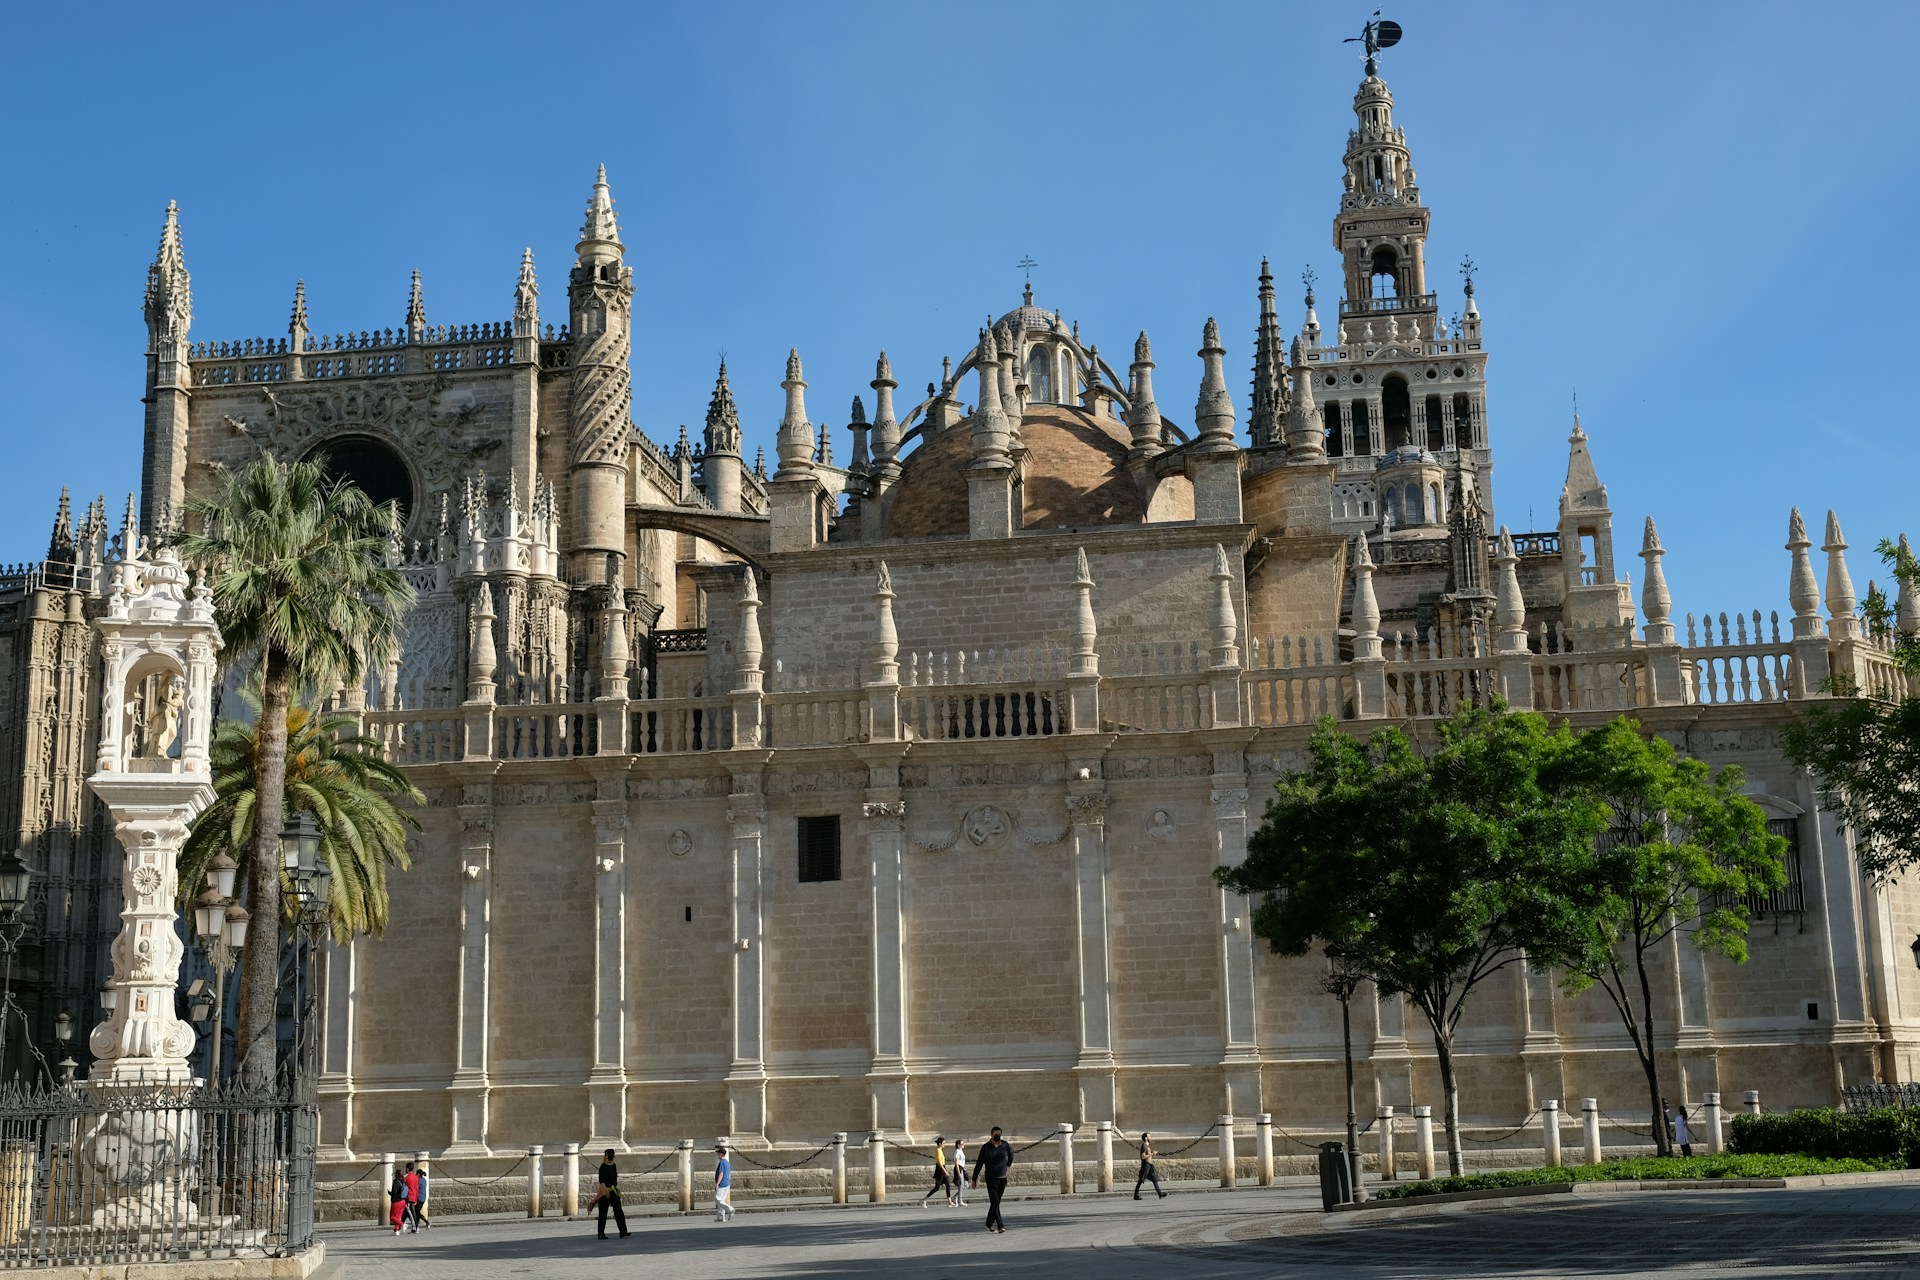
x=1075 y=476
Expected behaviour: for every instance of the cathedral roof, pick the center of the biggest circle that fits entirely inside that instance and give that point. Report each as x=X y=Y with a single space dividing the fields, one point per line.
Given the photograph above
x=1027 y=316
x=1075 y=476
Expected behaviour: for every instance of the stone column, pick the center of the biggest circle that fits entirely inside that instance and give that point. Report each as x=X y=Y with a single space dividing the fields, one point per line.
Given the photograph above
x=885 y=818
x=469 y=1092
x=607 y=1081
x=1093 y=981
x=1083 y=671
x=883 y=672
x=1223 y=668
x=747 y=1077
x=1241 y=1059
x=338 y=1002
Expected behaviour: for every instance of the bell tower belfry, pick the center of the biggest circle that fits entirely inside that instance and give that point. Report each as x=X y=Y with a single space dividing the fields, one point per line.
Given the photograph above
x=1381 y=230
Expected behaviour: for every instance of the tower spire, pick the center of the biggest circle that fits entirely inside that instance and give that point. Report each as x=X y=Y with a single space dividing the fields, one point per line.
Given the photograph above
x=1306 y=435
x=1143 y=415
x=600 y=233
x=416 y=311
x=723 y=418
x=794 y=446
x=297 y=322
x=1213 y=412
x=1268 y=418
x=169 y=305
x=526 y=294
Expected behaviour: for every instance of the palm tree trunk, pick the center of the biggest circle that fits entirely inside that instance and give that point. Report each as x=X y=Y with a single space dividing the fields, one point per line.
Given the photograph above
x=262 y=956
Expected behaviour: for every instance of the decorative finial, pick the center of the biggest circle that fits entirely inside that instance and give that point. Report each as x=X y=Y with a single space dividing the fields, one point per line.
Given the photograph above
x=601 y=227
x=1307 y=278
x=1142 y=349
x=1467 y=268
x=858 y=413
x=299 y=319
x=416 y=307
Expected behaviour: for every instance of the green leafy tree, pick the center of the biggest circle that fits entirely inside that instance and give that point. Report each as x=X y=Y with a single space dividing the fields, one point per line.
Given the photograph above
x=1430 y=873
x=1865 y=751
x=1684 y=849
x=303 y=594
x=344 y=780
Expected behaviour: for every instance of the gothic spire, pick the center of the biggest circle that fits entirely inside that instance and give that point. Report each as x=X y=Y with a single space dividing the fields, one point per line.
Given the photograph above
x=1267 y=420
x=1908 y=614
x=169 y=304
x=526 y=292
x=297 y=322
x=1213 y=412
x=1143 y=415
x=794 y=446
x=62 y=527
x=1583 y=490
x=1306 y=435
x=886 y=431
x=990 y=425
x=416 y=310
x=723 y=418
x=600 y=233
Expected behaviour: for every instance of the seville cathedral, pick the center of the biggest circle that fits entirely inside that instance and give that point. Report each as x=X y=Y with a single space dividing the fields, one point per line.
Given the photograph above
x=879 y=784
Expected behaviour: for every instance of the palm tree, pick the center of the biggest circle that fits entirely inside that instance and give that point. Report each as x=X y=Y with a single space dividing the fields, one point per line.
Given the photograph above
x=302 y=593
x=344 y=780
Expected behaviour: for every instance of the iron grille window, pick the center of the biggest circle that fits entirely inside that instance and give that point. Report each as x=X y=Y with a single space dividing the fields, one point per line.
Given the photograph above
x=1792 y=896
x=820 y=848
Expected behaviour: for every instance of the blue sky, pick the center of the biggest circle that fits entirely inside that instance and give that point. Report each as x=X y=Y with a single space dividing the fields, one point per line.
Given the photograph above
x=1695 y=215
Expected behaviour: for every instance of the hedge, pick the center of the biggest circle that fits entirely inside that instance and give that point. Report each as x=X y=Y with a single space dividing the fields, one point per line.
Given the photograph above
x=1644 y=1169
x=1884 y=1134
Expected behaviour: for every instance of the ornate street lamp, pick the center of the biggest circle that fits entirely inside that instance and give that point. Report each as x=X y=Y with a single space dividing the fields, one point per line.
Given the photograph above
x=16 y=878
x=63 y=1036
x=221 y=924
x=312 y=875
x=1340 y=981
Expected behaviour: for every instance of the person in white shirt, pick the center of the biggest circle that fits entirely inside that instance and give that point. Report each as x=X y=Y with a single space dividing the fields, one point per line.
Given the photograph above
x=960 y=1172
x=1682 y=1136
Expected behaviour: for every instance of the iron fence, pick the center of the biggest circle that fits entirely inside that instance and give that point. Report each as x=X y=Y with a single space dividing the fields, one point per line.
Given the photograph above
x=1869 y=1097
x=116 y=1173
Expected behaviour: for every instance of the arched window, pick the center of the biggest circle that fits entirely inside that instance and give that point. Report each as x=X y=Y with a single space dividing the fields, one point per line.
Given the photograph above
x=1436 y=431
x=1362 y=430
x=1436 y=512
x=1393 y=508
x=1465 y=431
x=1331 y=416
x=1040 y=375
x=1066 y=376
x=1396 y=410
x=1384 y=272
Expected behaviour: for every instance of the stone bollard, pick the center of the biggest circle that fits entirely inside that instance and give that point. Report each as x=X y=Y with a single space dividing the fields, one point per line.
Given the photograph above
x=685 y=1198
x=1590 y=1117
x=385 y=1216
x=1716 y=1138
x=570 y=1197
x=839 y=1168
x=1263 y=1146
x=536 y=1179
x=1385 y=1121
x=1423 y=1139
x=1550 y=1130
x=1066 y=1158
x=1227 y=1153
x=1753 y=1102
x=1105 y=1177
x=877 y=1167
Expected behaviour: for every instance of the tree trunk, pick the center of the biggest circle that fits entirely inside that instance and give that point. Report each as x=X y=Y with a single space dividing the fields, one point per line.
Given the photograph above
x=1443 y=1049
x=262 y=956
x=1648 y=1063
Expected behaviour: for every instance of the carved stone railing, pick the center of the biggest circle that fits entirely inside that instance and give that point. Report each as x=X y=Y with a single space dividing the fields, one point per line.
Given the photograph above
x=942 y=713
x=826 y=719
x=1728 y=667
x=1155 y=704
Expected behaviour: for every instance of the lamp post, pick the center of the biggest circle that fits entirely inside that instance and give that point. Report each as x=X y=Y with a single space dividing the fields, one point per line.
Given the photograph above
x=1341 y=981
x=16 y=878
x=63 y=1036
x=222 y=925
x=311 y=871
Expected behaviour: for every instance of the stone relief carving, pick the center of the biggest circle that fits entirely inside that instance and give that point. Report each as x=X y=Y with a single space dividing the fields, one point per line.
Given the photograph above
x=1160 y=827
x=707 y=788
x=986 y=827
x=428 y=418
x=680 y=844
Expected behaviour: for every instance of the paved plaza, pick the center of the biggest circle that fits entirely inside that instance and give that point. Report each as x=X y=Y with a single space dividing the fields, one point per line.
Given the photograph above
x=1831 y=1232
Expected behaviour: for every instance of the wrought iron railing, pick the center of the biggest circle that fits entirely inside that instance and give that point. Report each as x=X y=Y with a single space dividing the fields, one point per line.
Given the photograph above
x=1871 y=1097
x=103 y=1174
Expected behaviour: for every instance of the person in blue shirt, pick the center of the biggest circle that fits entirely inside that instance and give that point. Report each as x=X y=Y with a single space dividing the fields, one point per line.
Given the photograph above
x=722 y=1186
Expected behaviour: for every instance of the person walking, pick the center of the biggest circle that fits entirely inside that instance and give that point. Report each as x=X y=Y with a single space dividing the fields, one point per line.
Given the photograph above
x=397 y=1201
x=994 y=1163
x=411 y=1180
x=959 y=1172
x=1682 y=1135
x=1149 y=1172
x=722 y=1186
x=940 y=1180
x=420 y=1210
x=609 y=1197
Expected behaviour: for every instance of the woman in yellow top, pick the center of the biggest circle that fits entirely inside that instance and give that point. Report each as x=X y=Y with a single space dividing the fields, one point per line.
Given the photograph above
x=940 y=1180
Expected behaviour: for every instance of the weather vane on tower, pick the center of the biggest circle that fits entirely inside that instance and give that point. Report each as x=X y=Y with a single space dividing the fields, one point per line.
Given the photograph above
x=1379 y=33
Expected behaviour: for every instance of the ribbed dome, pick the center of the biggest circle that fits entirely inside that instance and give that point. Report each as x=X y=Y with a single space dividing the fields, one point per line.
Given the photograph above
x=1076 y=476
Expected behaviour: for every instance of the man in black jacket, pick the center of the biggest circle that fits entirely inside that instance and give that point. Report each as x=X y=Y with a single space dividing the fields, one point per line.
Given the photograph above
x=993 y=1162
x=609 y=1197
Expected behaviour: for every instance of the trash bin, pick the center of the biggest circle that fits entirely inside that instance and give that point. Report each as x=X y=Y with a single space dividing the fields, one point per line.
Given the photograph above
x=1336 y=1175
